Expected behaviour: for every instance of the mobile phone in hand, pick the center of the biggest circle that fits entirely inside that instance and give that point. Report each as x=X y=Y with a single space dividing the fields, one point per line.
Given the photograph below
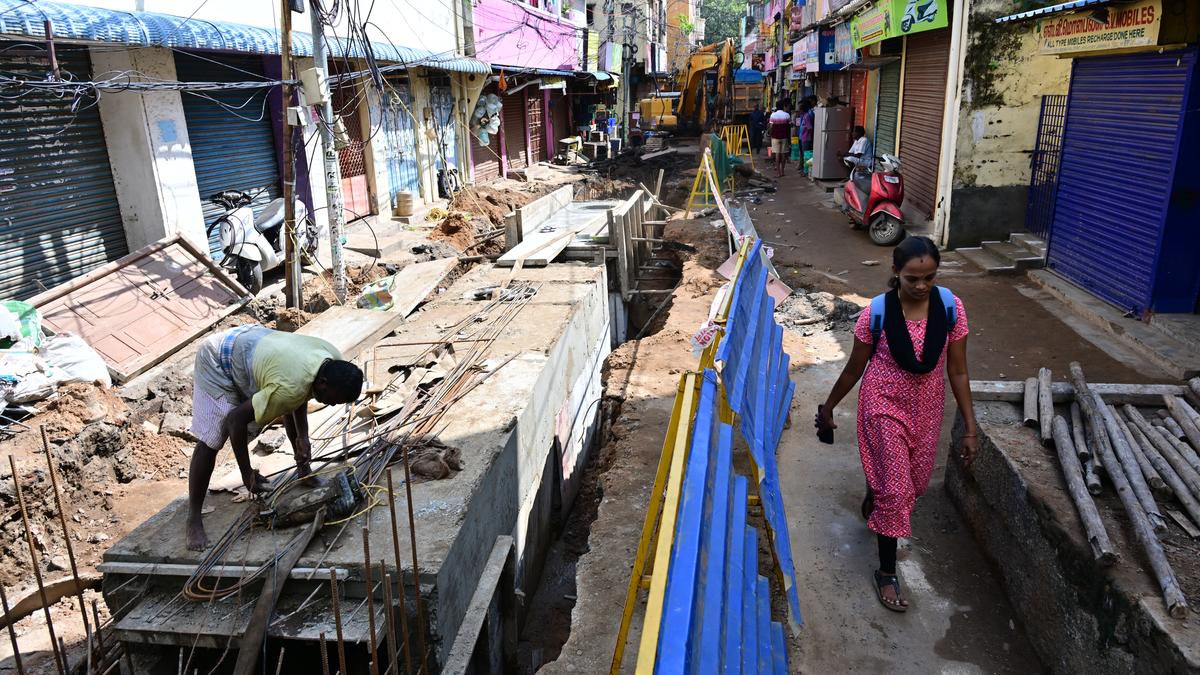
x=824 y=433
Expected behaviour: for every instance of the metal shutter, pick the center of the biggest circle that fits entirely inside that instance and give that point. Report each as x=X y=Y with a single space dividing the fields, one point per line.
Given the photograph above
x=59 y=216
x=926 y=60
x=403 y=175
x=513 y=113
x=485 y=159
x=560 y=116
x=888 y=108
x=858 y=96
x=233 y=147
x=1119 y=151
x=534 y=105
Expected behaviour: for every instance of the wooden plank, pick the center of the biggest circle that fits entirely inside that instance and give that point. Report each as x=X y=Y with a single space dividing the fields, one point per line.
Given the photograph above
x=352 y=330
x=143 y=308
x=1063 y=392
x=538 y=249
x=415 y=282
x=458 y=660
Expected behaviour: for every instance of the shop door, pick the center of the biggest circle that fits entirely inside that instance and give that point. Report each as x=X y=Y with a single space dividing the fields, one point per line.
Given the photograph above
x=887 y=108
x=403 y=174
x=858 y=96
x=927 y=57
x=535 y=108
x=514 y=131
x=485 y=159
x=352 y=153
x=443 y=119
x=58 y=207
x=560 y=116
x=233 y=145
x=1119 y=151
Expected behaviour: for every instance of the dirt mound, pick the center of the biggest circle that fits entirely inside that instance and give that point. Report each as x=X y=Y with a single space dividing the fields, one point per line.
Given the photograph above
x=490 y=202
x=455 y=230
x=318 y=291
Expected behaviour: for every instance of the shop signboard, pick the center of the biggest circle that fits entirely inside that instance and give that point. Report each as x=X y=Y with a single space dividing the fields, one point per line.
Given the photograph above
x=799 y=56
x=894 y=18
x=1104 y=28
x=828 y=45
x=843 y=47
x=812 y=52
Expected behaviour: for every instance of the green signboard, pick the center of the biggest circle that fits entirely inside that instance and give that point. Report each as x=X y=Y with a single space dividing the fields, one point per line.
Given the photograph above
x=894 y=18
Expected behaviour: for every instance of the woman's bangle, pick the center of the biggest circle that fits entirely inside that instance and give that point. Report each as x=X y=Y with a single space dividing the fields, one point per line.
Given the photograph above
x=970 y=435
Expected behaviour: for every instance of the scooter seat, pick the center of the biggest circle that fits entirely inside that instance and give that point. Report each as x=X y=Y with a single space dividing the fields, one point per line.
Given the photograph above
x=863 y=185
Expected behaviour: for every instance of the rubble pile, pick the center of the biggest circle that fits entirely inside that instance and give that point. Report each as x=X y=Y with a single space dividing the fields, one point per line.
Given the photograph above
x=806 y=313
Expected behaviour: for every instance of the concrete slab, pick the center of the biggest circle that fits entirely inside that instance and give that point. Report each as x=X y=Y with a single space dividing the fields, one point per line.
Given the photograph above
x=523 y=435
x=1179 y=359
x=351 y=330
x=1080 y=619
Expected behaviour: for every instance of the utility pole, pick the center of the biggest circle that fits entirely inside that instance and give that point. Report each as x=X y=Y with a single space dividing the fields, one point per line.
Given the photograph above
x=333 y=171
x=291 y=266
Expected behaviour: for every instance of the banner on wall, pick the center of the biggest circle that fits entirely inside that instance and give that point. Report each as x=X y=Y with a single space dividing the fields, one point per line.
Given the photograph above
x=894 y=18
x=1117 y=27
x=812 y=52
x=843 y=46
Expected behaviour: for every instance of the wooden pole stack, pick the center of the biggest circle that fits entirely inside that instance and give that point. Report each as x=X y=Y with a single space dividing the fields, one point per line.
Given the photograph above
x=1143 y=528
x=1046 y=406
x=1102 y=549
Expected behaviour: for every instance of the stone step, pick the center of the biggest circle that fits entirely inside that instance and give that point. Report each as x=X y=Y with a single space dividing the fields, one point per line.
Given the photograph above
x=988 y=261
x=1030 y=241
x=1020 y=256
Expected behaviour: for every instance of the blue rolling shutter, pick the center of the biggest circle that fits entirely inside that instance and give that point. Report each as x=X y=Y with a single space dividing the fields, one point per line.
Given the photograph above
x=1118 y=162
x=233 y=147
x=59 y=216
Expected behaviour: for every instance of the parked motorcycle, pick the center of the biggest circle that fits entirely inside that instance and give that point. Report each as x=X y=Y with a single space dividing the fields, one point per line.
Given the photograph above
x=873 y=200
x=256 y=245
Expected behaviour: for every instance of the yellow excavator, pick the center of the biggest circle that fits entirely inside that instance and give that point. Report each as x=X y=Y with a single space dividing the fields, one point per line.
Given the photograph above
x=703 y=96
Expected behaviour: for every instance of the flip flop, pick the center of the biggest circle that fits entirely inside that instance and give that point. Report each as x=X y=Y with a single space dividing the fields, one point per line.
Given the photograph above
x=868 y=505
x=892 y=580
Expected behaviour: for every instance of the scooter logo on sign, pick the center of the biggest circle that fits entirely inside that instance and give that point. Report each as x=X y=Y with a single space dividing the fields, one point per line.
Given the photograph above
x=918 y=11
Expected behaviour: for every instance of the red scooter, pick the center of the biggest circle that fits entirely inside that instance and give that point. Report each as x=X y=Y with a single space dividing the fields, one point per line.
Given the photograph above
x=873 y=200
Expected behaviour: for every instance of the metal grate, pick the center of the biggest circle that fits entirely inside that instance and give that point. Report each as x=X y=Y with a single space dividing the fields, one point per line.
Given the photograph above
x=1044 y=163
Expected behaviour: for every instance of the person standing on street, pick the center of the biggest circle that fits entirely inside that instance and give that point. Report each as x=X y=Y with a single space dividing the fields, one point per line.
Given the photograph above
x=781 y=136
x=758 y=124
x=806 y=132
x=905 y=342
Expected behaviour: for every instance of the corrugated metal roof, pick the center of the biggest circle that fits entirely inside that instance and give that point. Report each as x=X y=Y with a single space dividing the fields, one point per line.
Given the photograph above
x=151 y=29
x=1052 y=9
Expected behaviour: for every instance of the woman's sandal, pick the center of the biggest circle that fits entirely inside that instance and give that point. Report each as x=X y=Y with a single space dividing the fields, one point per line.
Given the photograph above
x=882 y=580
x=868 y=504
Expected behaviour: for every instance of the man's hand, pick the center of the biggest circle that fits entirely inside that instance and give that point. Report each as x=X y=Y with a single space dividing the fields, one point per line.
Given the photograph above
x=302 y=452
x=969 y=448
x=255 y=482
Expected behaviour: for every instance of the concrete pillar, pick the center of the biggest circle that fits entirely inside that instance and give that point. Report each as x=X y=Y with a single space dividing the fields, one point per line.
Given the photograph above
x=149 y=151
x=422 y=109
x=378 y=180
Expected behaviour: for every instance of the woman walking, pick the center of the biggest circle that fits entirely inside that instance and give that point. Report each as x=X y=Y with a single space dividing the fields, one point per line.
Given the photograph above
x=905 y=342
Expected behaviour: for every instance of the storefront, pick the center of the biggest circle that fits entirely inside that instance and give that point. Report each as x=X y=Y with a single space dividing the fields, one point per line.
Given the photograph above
x=1124 y=225
x=922 y=30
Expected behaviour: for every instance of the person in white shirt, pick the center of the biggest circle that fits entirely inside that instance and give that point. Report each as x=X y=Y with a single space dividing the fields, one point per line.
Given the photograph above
x=780 y=124
x=861 y=153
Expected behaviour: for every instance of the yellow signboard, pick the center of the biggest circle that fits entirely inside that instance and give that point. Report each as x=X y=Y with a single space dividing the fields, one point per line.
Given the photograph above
x=1105 y=28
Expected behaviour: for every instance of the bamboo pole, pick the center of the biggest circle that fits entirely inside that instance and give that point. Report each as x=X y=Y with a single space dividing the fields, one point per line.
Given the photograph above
x=1102 y=549
x=1181 y=412
x=1133 y=473
x=1153 y=478
x=1193 y=390
x=1031 y=402
x=1172 y=595
x=1171 y=425
x=1090 y=477
x=59 y=659
x=1162 y=442
x=1046 y=406
x=1186 y=488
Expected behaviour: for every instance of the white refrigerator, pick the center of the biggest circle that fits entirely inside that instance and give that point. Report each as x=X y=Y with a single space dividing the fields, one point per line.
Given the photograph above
x=831 y=135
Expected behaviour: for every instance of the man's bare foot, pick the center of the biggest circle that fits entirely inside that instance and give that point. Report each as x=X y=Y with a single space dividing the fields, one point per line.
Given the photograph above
x=197 y=540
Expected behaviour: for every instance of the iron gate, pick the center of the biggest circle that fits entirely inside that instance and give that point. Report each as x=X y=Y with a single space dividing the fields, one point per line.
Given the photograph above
x=1043 y=178
x=401 y=142
x=443 y=116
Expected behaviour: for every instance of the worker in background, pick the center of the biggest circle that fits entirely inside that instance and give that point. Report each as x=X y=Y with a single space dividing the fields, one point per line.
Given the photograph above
x=758 y=125
x=861 y=153
x=781 y=136
x=245 y=378
x=807 y=120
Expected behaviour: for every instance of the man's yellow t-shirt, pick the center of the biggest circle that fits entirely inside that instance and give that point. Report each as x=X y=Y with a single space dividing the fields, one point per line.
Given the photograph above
x=284 y=367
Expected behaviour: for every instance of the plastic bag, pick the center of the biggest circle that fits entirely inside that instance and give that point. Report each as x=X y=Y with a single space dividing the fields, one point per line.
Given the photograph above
x=74 y=360
x=378 y=294
x=32 y=387
x=29 y=320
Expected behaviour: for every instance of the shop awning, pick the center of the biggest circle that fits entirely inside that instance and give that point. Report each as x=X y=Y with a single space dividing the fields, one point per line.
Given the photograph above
x=21 y=18
x=1052 y=9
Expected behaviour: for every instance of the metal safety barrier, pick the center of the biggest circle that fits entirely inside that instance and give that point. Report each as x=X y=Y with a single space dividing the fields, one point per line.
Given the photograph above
x=707 y=607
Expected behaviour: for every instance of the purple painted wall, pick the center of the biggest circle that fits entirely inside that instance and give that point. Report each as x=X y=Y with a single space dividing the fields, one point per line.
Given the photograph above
x=509 y=33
